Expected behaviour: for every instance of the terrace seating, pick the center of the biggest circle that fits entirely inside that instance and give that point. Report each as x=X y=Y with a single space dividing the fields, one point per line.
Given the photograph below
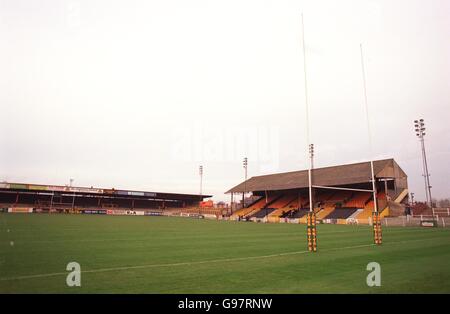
x=271 y=199
x=365 y=214
x=262 y=213
x=324 y=212
x=339 y=196
x=304 y=218
x=297 y=213
x=287 y=213
x=282 y=202
x=283 y=205
x=278 y=212
x=354 y=204
x=246 y=210
x=341 y=213
x=323 y=195
x=255 y=207
x=296 y=202
x=358 y=200
x=355 y=214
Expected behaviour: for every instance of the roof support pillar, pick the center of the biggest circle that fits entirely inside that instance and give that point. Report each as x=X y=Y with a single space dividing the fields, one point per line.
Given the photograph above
x=51 y=201
x=231 y=203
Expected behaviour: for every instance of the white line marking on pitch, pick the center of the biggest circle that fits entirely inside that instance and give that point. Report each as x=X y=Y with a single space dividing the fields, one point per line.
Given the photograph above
x=159 y=265
x=100 y=270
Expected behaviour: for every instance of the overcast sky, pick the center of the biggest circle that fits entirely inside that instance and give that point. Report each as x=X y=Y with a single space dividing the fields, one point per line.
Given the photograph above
x=137 y=94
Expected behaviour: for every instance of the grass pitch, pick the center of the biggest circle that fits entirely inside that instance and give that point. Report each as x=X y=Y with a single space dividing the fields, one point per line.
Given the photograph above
x=124 y=254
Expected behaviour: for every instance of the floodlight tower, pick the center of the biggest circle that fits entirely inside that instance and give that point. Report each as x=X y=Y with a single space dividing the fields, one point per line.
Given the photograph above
x=245 y=164
x=200 y=172
x=420 y=133
x=310 y=183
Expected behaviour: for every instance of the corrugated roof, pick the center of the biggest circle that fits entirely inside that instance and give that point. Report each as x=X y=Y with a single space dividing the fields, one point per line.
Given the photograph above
x=327 y=176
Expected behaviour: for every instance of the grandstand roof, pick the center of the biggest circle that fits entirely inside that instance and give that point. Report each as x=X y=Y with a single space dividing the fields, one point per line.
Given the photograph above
x=26 y=188
x=327 y=176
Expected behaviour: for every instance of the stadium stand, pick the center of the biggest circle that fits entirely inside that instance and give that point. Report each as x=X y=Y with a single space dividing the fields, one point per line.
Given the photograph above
x=282 y=195
x=71 y=199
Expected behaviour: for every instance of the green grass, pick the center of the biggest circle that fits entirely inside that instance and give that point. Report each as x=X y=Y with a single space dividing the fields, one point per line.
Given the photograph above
x=182 y=255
